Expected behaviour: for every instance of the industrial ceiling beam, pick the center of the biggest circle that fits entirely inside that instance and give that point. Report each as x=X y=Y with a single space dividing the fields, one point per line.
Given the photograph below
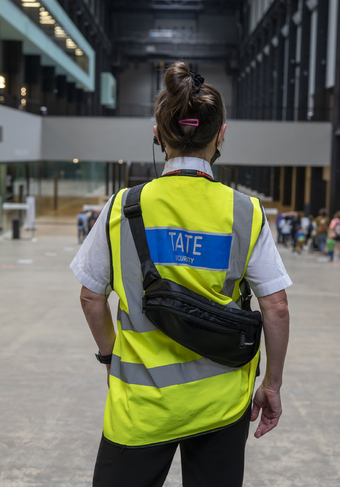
x=218 y=6
x=138 y=50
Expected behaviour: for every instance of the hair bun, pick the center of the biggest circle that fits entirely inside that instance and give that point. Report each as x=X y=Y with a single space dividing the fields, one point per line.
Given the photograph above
x=179 y=86
x=178 y=78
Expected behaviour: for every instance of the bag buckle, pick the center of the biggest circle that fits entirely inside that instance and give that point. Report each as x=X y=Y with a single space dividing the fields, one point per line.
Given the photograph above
x=132 y=210
x=245 y=294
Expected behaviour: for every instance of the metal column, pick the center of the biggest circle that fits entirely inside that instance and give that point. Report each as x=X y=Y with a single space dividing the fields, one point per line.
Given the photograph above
x=289 y=98
x=335 y=164
x=304 y=64
x=321 y=103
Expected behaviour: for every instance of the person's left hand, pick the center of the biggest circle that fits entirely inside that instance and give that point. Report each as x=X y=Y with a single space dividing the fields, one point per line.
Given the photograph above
x=269 y=401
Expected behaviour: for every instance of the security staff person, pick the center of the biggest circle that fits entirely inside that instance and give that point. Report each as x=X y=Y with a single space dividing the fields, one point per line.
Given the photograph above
x=207 y=237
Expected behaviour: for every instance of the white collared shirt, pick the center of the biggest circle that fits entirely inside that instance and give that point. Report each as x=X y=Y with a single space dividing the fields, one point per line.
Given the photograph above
x=265 y=271
x=187 y=163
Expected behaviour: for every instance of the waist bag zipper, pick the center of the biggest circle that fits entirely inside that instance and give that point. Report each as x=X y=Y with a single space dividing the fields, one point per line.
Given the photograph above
x=202 y=306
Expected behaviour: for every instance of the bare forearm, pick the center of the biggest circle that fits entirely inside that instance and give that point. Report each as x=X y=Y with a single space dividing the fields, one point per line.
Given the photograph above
x=276 y=331
x=276 y=336
x=98 y=316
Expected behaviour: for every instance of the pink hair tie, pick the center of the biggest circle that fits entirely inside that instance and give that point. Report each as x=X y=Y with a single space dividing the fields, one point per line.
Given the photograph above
x=188 y=121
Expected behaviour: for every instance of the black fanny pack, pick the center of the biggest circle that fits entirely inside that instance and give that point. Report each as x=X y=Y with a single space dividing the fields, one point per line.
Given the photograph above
x=223 y=333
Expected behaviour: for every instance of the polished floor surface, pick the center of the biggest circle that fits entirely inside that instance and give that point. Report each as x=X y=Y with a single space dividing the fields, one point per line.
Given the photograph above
x=52 y=390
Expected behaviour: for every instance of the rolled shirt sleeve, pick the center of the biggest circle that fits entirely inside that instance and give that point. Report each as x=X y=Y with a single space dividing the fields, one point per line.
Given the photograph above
x=91 y=265
x=265 y=272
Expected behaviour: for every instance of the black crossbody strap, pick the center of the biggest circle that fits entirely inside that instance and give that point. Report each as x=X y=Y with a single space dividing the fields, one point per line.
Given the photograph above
x=133 y=212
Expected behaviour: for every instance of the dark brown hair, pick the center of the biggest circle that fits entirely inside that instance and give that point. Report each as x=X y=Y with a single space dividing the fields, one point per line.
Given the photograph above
x=181 y=99
x=337 y=214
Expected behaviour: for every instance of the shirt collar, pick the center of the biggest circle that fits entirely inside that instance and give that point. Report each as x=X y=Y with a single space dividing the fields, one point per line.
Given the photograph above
x=194 y=163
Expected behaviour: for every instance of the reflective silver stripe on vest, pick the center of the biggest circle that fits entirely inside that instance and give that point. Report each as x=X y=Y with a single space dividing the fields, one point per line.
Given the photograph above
x=242 y=227
x=166 y=375
x=132 y=279
x=138 y=323
x=127 y=324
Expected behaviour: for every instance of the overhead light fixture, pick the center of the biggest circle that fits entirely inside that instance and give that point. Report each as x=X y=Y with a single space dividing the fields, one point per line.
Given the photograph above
x=23 y=102
x=75 y=160
x=59 y=32
x=23 y=91
x=120 y=161
x=2 y=82
x=161 y=33
x=33 y=4
x=78 y=52
x=70 y=44
x=46 y=18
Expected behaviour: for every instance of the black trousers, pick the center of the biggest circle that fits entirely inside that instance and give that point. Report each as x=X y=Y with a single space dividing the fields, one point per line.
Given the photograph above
x=210 y=460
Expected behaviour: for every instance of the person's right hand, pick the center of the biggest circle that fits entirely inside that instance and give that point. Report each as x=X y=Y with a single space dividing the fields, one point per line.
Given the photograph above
x=269 y=401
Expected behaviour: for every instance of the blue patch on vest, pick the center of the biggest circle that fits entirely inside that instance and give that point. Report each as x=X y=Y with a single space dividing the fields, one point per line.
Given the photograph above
x=177 y=246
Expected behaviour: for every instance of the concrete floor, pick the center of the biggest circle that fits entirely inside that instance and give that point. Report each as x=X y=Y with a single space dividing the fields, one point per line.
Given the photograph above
x=52 y=390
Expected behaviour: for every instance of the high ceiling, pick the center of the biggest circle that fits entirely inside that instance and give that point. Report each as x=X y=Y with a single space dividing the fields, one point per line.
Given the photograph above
x=155 y=30
x=193 y=6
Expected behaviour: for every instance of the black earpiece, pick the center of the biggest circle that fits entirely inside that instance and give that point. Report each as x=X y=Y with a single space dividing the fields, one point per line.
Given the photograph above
x=216 y=155
x=163 y=149
x=155 y=141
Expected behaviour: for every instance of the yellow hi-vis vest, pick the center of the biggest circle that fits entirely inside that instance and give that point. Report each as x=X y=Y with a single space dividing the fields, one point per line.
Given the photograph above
x=201 y=235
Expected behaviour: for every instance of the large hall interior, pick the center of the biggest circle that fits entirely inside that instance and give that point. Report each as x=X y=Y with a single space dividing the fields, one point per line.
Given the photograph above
x=78 y=84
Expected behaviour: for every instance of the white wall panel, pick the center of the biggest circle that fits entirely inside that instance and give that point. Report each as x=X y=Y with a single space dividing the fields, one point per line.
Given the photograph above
x=263 y=143
x=98 y=139
x=246 y=142
x=21 y=135
x=29 y=137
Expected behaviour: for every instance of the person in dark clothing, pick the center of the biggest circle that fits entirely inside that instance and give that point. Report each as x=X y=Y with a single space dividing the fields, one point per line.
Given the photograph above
x=296 y=224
